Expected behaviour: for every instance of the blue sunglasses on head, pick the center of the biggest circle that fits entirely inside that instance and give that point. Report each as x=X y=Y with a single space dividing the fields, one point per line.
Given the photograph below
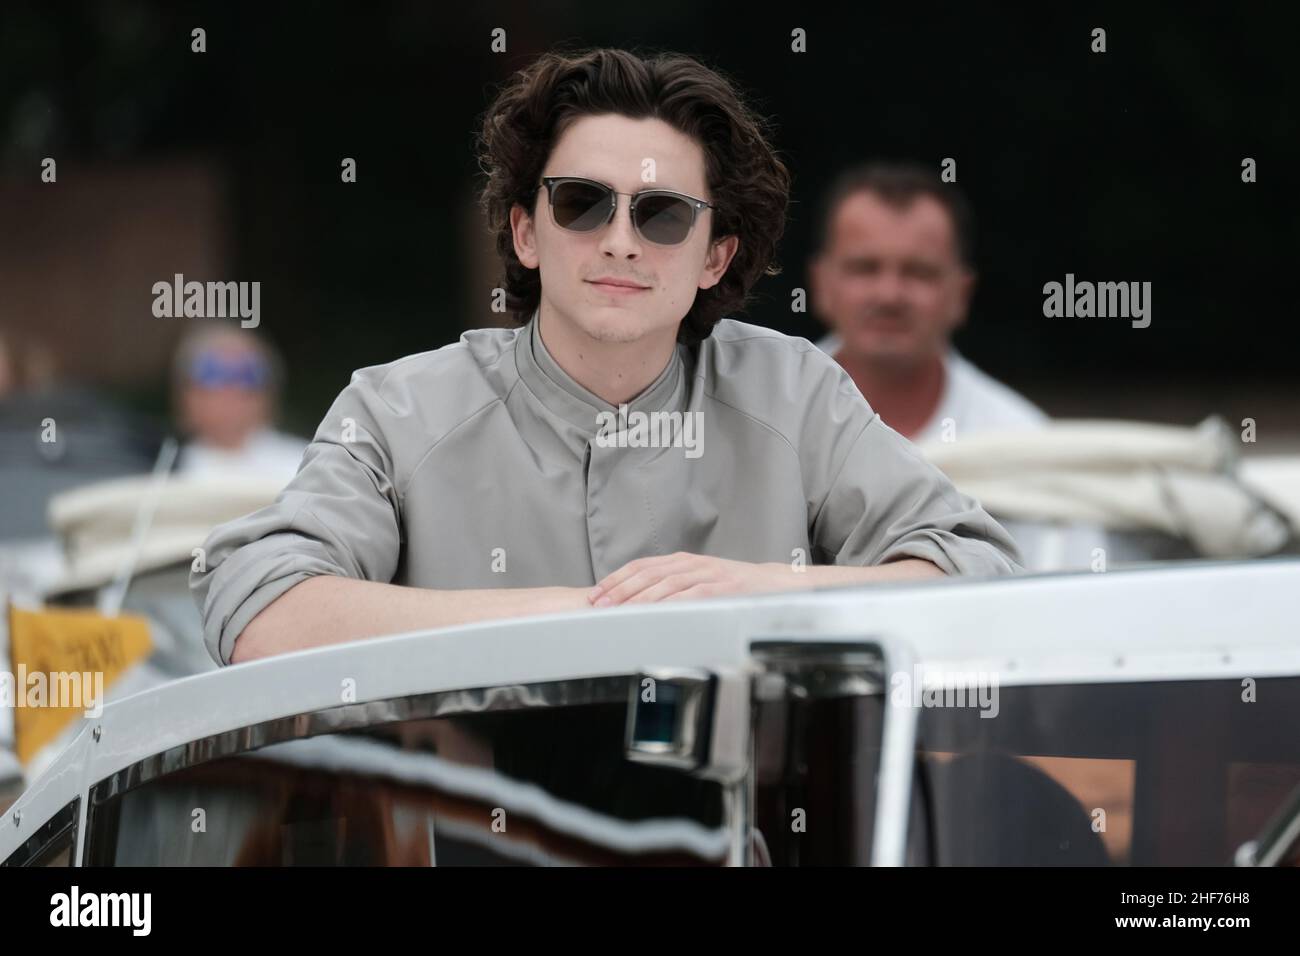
x=214 y=370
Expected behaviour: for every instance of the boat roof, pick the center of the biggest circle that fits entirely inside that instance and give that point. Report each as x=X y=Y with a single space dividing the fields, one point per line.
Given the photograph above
x=1183 y=621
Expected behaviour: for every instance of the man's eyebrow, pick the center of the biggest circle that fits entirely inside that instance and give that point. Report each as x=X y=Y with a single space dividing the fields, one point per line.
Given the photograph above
x=644 y=187
x=594 y=179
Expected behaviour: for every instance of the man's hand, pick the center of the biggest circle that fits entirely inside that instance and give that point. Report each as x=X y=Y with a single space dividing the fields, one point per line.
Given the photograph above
x=684 y=577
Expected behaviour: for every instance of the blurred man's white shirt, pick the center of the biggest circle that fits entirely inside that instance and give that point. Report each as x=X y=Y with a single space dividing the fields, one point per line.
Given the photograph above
x=973 y=401
x=266 y=453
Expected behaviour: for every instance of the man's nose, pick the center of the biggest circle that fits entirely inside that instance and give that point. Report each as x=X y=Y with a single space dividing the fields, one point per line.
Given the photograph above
x=888 y=287
x=619 y=238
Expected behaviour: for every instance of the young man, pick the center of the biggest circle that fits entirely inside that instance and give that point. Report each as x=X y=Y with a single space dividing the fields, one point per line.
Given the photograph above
x=634 y=202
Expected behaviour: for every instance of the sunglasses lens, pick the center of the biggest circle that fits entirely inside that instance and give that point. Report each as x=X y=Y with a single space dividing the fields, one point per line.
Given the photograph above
x=580 y=207
x=664 y=219
x=215 y=370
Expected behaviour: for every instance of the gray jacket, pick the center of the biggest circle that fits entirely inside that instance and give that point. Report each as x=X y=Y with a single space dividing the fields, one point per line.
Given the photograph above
x=483 y=464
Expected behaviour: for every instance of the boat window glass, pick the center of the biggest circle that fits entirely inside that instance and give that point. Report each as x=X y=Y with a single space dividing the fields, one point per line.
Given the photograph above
x=1169 y=773
x=529 y=785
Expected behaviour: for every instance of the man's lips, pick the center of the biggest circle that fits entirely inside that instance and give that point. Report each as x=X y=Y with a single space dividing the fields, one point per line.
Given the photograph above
x=886 y=320
x=617 y=286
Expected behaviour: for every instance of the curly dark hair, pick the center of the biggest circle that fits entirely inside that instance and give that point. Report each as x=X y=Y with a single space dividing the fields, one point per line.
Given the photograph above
x=749 y=185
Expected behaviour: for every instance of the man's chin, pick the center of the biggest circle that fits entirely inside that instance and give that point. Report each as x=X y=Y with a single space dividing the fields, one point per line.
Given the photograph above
x=614 y=335
x=615 y=325
x=884 y=348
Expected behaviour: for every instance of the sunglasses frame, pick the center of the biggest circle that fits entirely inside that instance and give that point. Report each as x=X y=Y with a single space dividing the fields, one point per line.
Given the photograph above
x=210 y=369
x=695 y=205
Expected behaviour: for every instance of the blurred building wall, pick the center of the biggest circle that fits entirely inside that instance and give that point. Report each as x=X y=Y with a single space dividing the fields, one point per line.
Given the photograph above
x=79 y=257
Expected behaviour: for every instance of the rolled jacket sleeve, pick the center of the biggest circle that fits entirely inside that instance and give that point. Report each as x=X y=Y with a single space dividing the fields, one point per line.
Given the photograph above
x=338 y=516
x=884 y=502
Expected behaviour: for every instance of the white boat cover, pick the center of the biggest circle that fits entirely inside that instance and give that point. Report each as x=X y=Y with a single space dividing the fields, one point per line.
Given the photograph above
x=96 y=523
x=1128 y=476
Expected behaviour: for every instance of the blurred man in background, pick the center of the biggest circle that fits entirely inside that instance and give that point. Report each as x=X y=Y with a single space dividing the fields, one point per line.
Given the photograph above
x=227 y=383
x=892 y=279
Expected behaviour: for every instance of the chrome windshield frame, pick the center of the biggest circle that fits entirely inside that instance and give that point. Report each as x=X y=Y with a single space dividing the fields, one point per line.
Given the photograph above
x=856 y=669
x=344 y=717
x=607 y=689
x=65 y=821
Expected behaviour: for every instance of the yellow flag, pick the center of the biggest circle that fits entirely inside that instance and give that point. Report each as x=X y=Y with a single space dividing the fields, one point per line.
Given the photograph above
x=63 y=660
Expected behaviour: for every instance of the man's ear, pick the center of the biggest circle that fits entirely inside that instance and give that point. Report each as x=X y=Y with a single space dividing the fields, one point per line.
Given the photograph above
x=521 y=230
x=721 y=252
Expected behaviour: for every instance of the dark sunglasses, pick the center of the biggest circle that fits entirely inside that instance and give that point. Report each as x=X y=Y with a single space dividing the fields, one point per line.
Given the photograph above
x=660 y=216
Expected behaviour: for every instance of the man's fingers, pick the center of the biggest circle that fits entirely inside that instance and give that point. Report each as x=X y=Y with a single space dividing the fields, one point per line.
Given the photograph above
x=615 y=578
x=630 y=587
x=633 y=577
x=669 y=585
